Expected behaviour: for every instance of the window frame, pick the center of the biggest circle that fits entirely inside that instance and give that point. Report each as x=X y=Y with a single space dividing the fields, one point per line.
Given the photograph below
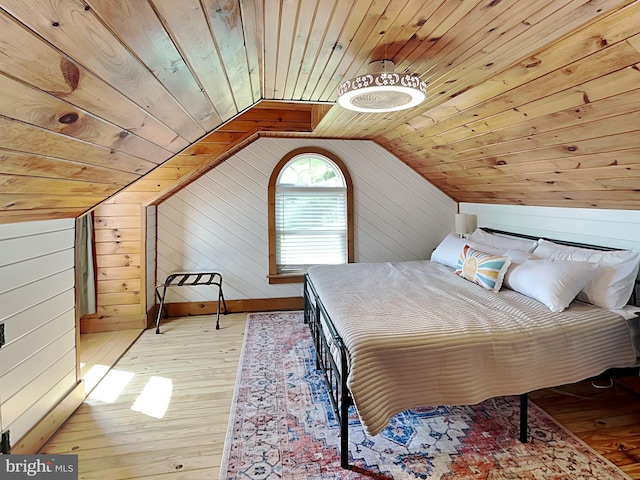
x=274 y=276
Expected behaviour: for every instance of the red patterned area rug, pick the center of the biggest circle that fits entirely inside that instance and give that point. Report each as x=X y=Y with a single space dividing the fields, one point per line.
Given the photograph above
x=282 y=427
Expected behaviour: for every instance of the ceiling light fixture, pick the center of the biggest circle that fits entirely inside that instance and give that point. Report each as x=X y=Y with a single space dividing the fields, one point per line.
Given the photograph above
x=381 y=90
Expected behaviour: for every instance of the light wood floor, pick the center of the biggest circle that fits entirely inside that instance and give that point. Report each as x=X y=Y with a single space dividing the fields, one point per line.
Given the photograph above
x=122 y=430
x=100 y=351
x=119 y=435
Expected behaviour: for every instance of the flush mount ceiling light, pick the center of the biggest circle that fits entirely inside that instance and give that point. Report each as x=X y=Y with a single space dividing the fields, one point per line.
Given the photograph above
x=381 y=90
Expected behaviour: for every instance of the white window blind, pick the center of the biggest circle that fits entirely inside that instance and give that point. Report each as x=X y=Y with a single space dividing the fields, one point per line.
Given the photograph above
x=311 y=227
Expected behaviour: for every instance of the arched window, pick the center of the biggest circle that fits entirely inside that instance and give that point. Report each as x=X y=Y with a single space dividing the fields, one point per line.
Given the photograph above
x=310 y=214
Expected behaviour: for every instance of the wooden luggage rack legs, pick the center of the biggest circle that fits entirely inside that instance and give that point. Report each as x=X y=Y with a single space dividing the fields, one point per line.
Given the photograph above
x=191 y=279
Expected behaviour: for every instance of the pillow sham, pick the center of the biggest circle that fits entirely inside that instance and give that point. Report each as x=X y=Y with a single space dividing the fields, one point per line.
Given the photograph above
x=482 y=268
x=612 y=284
x=448 y=251
x=555 y=283
x=500 y=241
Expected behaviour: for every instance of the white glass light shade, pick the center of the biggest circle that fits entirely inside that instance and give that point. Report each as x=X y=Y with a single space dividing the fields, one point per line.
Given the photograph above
x=381 y=90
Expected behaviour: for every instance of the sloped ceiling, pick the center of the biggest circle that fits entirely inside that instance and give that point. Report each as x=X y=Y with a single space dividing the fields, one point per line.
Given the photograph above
x=529 y=102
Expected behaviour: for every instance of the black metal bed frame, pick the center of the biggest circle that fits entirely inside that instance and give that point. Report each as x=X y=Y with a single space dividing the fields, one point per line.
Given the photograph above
x=335 y=376
x=335 y=380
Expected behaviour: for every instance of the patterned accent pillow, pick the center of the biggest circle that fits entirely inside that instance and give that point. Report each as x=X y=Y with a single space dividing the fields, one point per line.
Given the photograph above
x=482 y=268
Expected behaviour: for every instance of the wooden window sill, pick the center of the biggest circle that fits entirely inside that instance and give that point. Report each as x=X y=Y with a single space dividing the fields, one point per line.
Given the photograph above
x=286 y=278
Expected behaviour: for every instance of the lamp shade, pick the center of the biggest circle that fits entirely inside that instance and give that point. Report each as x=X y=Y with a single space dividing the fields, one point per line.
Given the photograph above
x=465 y=223
x=462 y=223
x=472 y=223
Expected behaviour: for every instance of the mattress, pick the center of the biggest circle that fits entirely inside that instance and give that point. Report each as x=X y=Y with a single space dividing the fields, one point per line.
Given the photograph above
x=417 y=334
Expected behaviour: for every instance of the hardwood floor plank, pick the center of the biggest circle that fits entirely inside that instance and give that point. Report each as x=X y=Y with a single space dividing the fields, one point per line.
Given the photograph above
x=114 y=441
x=148 y=464
x=103 y=349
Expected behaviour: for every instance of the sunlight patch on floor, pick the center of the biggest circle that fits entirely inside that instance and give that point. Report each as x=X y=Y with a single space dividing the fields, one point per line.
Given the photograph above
x=155 y=397
x=94 y=375
x=111 y=386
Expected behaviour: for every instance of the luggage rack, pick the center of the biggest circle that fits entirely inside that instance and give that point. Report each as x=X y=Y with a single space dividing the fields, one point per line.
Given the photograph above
x=191 y=279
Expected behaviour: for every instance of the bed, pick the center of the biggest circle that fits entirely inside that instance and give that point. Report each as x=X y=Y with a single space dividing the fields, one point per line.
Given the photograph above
x=392 y=336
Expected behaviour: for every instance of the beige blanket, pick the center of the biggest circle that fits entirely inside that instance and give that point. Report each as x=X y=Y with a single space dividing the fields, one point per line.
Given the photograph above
x=417 y=334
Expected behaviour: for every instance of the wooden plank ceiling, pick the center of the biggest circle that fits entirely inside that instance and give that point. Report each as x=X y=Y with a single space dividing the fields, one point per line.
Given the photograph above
x=529 y=102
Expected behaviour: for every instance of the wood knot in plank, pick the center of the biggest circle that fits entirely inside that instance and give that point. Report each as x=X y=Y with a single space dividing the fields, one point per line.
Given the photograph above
x=460 y=92
x=68 y=118
x=532 y=62
x=70 y=73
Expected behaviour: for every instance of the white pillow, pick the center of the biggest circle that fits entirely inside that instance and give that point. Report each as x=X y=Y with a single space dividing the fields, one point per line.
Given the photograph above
x=517 y=257
x=554 y=283
x=448 y=251
x=500 y=241
x=613 y=282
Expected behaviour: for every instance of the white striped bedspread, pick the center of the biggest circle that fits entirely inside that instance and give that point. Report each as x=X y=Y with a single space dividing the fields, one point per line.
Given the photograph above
x=418 y=334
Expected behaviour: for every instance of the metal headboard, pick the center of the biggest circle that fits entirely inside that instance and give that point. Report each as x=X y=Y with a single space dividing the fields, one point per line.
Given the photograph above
x=634 y=295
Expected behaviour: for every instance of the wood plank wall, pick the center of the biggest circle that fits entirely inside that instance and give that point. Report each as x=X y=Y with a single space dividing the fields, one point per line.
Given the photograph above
x=38 y=361
x=219 y=222
x=613 y=228
x=151 y=214
x=123 y=238
x=119 y=239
